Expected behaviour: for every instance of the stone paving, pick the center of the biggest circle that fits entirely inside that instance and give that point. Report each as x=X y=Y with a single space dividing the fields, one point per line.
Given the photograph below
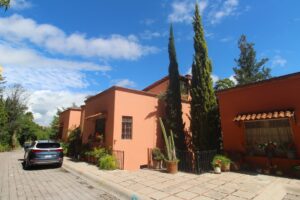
x=43 y=182
x=291 y=197
x=184 y=186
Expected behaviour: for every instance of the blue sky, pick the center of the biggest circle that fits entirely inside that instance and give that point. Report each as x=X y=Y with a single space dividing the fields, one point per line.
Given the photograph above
x=62 y=51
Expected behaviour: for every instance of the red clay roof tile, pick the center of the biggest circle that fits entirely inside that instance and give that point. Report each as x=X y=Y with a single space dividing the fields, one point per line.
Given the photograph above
x=260 y=116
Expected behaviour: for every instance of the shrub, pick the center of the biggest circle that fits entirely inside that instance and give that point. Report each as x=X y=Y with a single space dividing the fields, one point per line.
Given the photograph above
x=99 y=153
x=157 y=155
x=108 y=162
x=74 y=141
x=4 y=147
x=65 y=147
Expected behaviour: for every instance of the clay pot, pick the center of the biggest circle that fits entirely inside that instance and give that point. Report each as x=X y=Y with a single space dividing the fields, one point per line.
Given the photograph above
x=172 y=167
x=225 y=167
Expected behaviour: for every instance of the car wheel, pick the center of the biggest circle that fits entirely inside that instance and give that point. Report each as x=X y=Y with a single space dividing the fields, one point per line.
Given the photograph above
x=59 y=165
x=26 y=165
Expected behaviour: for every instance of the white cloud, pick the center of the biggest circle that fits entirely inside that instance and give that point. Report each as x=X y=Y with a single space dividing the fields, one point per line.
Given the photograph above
x=232 y=78
x=123 y=83
x=182 y=11
x=148 y=35
x=55 y=40
x=223 y=10
x=44 y=103
x=35 y=71
x=226 y=39
x=278 y=61
x=20 y=4
x=214 y=78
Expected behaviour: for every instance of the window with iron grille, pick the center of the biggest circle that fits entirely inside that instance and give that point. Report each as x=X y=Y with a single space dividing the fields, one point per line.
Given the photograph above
x=278 y=131
x=126 y=127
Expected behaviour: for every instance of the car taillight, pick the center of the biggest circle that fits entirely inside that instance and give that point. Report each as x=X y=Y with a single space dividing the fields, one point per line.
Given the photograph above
x=37 y=150
x=58 y=150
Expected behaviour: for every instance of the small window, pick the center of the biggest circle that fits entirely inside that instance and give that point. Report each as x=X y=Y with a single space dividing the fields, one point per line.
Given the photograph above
x=126 y=127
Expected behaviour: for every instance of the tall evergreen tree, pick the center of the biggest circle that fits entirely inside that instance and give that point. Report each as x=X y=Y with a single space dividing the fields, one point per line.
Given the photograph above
x=173 y=97
x=203 y=103
x=248 y=69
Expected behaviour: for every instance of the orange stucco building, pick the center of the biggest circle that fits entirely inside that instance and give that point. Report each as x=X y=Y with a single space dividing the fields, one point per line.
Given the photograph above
x=69 y=119
x=261 y=112
x=127 y=120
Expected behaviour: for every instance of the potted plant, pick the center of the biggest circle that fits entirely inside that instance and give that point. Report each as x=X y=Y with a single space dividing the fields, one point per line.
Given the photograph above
x=217 y=163
x=171 y=160
x=225 y=167
x=225 y=162
x=157 y=158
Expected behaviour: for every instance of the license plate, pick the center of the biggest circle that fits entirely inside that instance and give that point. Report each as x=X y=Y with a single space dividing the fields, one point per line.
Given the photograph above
x=48 y=156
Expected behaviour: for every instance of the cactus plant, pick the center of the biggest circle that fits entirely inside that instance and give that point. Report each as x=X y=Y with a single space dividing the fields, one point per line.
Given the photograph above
x=169 y=141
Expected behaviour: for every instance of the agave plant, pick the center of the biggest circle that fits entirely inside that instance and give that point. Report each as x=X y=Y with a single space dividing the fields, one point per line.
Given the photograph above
x=169 y=141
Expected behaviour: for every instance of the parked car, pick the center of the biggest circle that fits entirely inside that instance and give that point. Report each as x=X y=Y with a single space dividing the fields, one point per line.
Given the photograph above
x=43 y=152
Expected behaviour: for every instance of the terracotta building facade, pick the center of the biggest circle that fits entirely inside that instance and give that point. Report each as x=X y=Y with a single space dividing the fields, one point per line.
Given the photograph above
x=69 y=119
x=126 y=120
x=261 y=113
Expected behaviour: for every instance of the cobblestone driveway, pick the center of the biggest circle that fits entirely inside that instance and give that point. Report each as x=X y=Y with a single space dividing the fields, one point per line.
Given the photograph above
x=42 y=182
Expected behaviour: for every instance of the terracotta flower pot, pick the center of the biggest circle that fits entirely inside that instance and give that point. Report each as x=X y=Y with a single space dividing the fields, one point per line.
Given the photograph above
x=225 y=167
x=172 y=167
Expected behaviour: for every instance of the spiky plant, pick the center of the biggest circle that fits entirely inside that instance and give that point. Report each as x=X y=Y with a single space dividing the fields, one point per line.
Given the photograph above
x=169 y=141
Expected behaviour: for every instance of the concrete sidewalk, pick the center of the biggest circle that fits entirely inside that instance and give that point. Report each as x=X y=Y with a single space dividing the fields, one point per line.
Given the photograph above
x=150 y=184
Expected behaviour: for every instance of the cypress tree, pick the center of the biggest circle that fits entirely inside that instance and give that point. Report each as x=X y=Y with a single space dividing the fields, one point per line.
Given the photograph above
x=173 y=97
x=204 y=117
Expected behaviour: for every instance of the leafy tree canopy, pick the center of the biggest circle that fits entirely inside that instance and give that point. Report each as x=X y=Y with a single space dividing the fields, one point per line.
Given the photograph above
x=224 y=84
x=248 y=69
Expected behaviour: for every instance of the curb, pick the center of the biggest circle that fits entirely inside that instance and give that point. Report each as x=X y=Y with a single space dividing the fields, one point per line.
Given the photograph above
x=112 y=188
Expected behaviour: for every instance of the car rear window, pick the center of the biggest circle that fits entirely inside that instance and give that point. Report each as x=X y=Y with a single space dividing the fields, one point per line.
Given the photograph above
x=48 y=145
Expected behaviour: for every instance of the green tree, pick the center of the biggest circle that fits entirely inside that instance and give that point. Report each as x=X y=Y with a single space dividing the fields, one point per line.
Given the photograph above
x=2 y=82
x=5 y=4
x=204 y=124
x=173 y=97
x=54 y=126
x=4 y=137
x=248 y=69
x=224 y=84
x=15 y=106
x=27 y=130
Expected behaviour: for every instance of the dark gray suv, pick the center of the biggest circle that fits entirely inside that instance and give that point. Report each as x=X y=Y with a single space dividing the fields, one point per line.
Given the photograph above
x=43 y=152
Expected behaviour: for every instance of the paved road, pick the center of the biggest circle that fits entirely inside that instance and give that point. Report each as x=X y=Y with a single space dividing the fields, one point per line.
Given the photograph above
x=43 y=182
